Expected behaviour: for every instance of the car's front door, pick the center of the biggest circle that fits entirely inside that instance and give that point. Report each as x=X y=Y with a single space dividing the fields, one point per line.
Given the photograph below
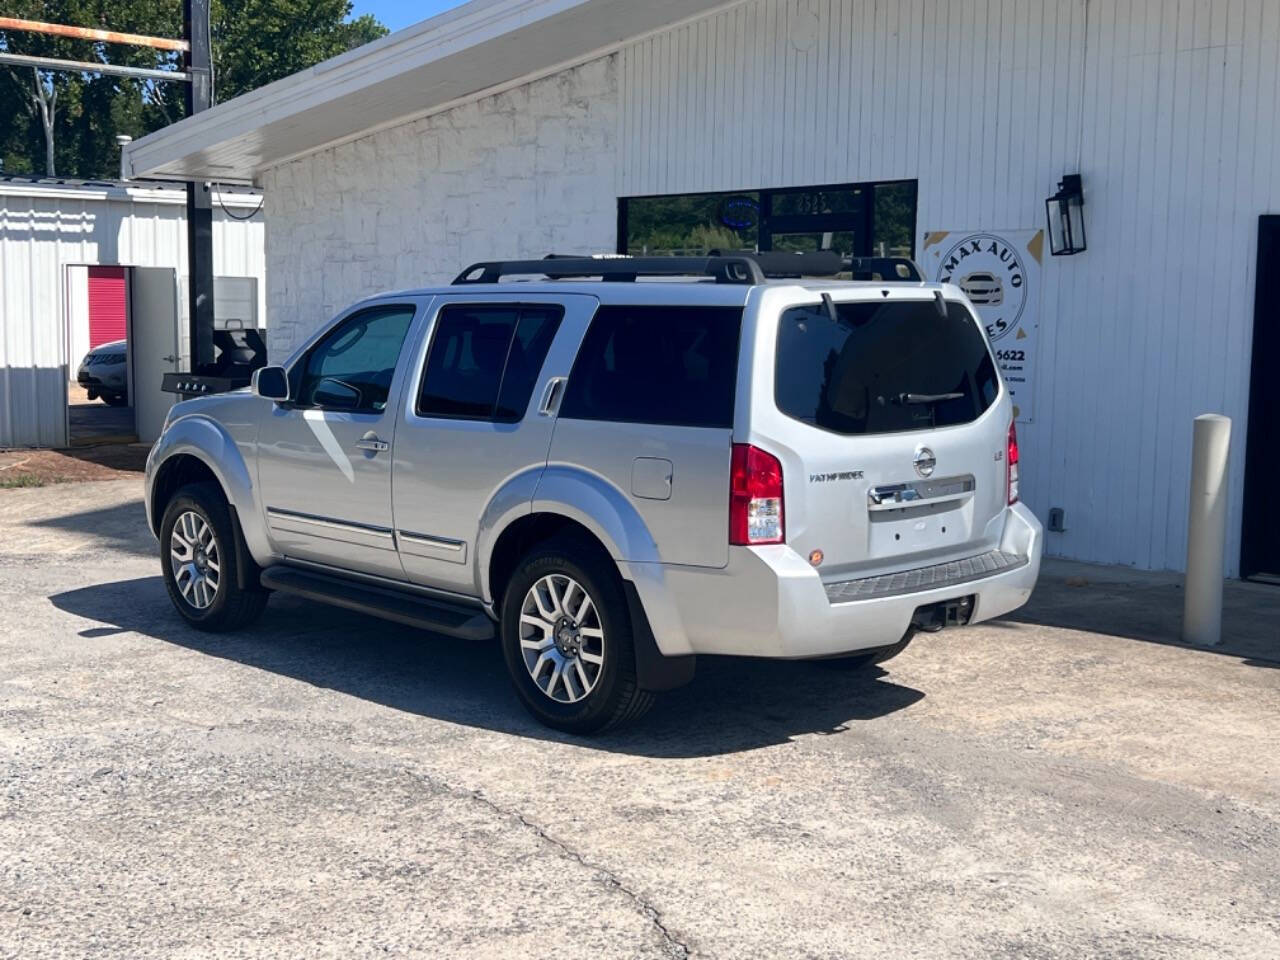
x=324 y=457
x=476 y=420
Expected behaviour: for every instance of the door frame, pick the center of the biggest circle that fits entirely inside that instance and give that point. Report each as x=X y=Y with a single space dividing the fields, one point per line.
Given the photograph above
x=69 y=319
x=1258 y=475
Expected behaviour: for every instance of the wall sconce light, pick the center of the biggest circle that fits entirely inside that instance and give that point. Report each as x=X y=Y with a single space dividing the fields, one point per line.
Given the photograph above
x=1065 y=210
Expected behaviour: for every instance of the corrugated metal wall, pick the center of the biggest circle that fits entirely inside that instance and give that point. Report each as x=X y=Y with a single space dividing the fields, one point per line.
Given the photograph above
x=1170 y=110
x=46 y=228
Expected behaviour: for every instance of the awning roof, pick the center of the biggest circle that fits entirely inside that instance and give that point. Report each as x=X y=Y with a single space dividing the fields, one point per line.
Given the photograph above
x=476 y=47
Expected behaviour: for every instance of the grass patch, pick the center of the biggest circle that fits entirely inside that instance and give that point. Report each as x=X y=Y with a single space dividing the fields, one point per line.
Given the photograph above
x=20 y=480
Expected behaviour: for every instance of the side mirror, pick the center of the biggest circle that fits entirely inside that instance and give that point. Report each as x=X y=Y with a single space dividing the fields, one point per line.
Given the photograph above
x=271 y=383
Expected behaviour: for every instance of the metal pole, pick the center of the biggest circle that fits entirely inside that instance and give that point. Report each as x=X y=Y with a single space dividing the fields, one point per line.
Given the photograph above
x=1206 y=530
x=199 y=63
x=91 y=33
x=90 y=66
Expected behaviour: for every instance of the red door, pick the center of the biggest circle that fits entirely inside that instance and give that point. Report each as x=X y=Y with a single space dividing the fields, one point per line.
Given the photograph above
x=106 y=305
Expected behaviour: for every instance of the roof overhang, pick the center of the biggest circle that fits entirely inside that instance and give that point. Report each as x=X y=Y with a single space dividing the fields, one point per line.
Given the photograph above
x=80 y=191
x=477 y=47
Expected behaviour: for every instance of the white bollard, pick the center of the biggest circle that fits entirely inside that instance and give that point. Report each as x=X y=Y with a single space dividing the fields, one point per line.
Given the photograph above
x=1206 y=530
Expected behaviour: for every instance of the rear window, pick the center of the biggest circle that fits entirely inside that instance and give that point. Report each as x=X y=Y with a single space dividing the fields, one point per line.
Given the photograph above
x=650 y=364
x=883 y=367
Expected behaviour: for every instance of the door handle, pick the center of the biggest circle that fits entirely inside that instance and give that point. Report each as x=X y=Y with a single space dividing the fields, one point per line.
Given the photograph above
x=551 y=397
x=372 y=443
x=169 y=359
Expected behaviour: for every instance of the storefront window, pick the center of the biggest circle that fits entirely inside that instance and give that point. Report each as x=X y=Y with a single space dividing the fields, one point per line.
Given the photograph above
x=692 y=224
x=895 y=220
x=812 y=201
x=855 y=220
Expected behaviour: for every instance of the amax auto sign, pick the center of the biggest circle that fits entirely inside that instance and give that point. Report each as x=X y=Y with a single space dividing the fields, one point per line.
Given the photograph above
x=999 y=273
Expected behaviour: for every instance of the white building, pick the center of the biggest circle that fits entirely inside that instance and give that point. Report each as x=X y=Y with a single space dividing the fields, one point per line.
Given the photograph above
x=514 y=128
x=54 y=235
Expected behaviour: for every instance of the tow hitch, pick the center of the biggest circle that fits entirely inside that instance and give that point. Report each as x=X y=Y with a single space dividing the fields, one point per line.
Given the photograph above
x=945 y=613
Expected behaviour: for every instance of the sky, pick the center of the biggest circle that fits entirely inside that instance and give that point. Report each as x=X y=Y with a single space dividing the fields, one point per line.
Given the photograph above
x=397 y=14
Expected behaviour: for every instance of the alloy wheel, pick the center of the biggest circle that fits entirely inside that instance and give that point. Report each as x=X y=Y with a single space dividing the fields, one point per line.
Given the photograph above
x=561 y=638
x=195 y=559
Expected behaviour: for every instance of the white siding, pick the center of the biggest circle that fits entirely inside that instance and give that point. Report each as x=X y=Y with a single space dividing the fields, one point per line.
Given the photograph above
x=1170 y=110
x=45 y=229
x=521 y=173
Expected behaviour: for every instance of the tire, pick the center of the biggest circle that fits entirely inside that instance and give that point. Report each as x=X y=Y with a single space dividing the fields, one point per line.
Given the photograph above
x=115 y=399
x=207 y=599
x=91 y=394
x=587 y=697
x=870 y=658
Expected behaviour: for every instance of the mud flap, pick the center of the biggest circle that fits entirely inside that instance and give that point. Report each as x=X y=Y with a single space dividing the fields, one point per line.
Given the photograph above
x=247 y=569
x=654 y=672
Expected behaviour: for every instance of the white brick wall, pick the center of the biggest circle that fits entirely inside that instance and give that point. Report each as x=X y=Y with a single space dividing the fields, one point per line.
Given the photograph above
x=520 y=174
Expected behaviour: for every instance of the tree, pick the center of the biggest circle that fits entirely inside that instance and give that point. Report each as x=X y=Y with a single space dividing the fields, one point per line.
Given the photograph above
x=46 y=101
x=254 y=43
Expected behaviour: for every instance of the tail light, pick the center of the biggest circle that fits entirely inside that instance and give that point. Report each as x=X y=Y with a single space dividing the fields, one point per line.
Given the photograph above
x=1012 y=460
x=755 y=497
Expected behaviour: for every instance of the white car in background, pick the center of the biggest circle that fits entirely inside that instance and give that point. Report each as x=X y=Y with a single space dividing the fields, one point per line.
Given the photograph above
x=104 y=372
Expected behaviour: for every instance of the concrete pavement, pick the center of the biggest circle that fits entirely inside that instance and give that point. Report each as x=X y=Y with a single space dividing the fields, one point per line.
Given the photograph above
x=1066 y=783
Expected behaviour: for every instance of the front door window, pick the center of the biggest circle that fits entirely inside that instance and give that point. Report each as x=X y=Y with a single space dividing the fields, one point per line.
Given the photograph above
x=352 y=366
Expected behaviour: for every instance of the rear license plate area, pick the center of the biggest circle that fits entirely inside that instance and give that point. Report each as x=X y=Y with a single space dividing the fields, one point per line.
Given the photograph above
x=923 y=526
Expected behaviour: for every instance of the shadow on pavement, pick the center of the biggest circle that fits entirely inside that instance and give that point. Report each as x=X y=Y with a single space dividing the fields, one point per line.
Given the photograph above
x=732 y=705
x=122 y=527
x=125 y=457
x=1148 y=607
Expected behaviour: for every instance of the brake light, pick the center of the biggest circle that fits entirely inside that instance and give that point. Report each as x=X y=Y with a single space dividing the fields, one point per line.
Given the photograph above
x=755 y=497
x=1012 y=460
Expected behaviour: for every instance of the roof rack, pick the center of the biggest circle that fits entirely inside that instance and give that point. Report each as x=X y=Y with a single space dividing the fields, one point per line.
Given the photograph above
x=734 y=269
x=737 y=267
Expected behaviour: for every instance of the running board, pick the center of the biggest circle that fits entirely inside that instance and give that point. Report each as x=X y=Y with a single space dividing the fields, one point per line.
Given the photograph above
x=453 y=620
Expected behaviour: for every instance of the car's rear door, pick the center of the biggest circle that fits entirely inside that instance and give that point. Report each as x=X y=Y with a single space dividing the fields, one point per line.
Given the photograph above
x=649 y=407
x=472 y=423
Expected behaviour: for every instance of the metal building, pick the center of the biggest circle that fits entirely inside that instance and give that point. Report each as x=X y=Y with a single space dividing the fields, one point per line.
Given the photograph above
x=51 y=232
x=938 y=128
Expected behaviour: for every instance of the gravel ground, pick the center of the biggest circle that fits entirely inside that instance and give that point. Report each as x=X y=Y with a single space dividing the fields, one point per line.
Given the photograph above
x=38 y=468
x=1050 y=786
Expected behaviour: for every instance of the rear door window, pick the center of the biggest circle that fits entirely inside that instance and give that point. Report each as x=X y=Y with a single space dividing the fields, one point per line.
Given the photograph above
x=884 y=367
x=669 y=365
x=485 y=359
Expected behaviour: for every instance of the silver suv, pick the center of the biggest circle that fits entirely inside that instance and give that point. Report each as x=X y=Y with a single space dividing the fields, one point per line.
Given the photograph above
x=614 y=477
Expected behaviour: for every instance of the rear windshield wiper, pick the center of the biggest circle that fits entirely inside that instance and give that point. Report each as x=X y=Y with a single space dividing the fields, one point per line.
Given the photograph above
x=905 y=398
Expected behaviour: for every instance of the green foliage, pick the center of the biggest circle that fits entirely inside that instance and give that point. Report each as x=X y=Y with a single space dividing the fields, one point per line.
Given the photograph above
x=682 y=224
x=254 y=43
x=20 y=480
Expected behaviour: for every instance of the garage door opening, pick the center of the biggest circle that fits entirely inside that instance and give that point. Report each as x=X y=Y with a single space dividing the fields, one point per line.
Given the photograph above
x=123 y=332
x=98 y=398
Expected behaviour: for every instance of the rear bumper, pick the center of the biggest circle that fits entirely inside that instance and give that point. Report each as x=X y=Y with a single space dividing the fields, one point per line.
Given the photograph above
x=769 y=602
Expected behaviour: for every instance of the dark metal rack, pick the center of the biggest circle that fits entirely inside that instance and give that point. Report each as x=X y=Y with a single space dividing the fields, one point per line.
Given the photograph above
x=733 y=269
x=742 y=268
